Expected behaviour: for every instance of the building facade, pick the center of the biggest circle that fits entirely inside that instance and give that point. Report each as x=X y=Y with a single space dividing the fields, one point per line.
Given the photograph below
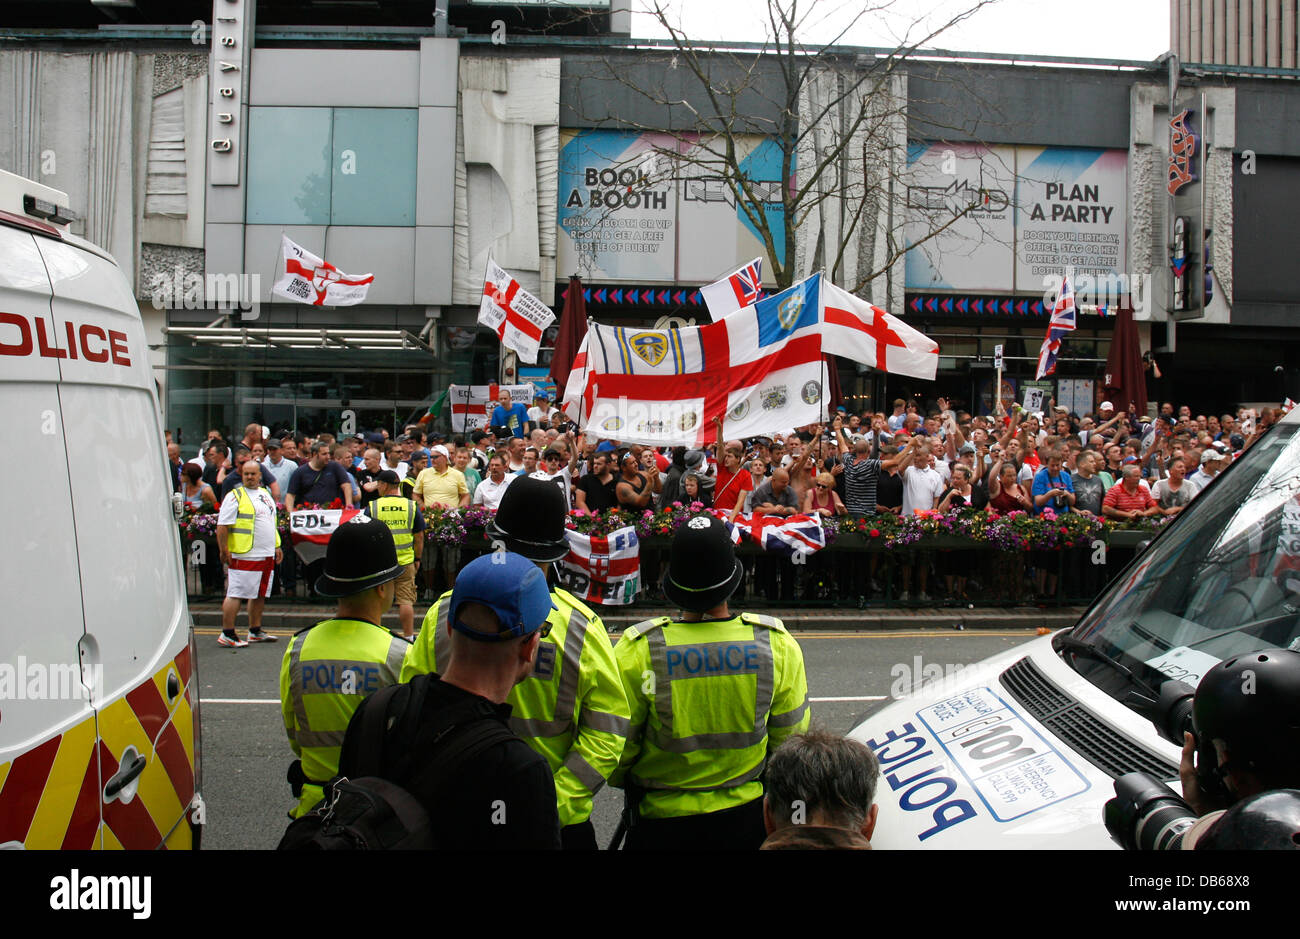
x=953 y=192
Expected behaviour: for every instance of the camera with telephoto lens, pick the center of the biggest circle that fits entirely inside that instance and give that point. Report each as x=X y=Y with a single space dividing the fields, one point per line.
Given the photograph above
x=1146 y=815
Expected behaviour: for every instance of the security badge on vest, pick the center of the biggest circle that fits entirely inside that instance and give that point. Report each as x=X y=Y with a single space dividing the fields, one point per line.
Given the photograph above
x=702 y=672
x=572 y=710
x=398 y=514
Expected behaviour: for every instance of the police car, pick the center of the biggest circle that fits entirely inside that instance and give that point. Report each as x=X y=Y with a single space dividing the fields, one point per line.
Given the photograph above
x=1021 y=750
x=98 y=692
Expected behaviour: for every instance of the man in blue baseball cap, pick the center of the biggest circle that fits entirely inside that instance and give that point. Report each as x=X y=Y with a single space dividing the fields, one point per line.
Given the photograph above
x=502 y=793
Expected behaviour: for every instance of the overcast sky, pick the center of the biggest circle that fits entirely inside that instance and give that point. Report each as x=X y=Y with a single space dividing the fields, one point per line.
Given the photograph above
x=1102 y=29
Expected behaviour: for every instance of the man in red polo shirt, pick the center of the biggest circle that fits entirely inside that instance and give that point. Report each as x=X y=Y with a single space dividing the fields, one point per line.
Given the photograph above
x=1130 y=498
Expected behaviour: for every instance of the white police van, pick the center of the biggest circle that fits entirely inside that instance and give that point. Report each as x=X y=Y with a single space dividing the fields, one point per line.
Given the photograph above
x=98 y=691
x=1021 y=751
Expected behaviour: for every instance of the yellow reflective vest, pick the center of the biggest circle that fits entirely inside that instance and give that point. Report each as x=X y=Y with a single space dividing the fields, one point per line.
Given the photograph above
x=709 y=701
x=240 y=539
x=399 y=515
x=572 y=710
x=327 y=670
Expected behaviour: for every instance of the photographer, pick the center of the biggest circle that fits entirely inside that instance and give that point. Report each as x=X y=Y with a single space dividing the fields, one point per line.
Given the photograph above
x=1240 y=768
x=1246 y=716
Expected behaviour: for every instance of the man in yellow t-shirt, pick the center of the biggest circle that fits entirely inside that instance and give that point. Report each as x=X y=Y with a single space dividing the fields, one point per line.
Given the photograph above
x=440 y=486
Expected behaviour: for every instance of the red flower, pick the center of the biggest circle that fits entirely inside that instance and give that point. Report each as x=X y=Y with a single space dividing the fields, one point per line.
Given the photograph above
x=875 y=533
x=1065 y=531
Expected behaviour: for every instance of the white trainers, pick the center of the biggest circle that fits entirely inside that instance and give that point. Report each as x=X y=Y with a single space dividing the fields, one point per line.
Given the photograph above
x=261 y=636
x=233 y=642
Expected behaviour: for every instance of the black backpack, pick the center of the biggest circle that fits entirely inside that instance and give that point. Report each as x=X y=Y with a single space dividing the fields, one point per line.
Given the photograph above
x=372 y=813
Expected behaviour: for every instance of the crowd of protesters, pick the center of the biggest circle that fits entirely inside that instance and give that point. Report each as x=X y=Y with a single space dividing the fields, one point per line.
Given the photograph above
x=1108 y=463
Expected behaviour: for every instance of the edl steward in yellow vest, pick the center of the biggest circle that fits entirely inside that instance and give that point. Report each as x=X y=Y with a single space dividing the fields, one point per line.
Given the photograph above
x=572 y=710
x=711 y=696
x=406 y=522
x=249 y=541
x=330 y=667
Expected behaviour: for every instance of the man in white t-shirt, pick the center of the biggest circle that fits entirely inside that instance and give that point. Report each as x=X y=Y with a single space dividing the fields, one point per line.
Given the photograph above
x=249 y=541
x=922 y=485
x=552 y=469
x=488 y=493
x=540 y=412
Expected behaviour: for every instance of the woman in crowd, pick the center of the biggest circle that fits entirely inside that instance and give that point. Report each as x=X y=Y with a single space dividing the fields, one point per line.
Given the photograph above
x=822 y=500
x=954 y=565
x=1007 y=495
x=196 y=493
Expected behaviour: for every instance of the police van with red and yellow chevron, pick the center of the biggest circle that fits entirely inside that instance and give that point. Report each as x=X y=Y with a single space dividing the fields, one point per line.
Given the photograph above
x=99 y=702
x=1022 y=750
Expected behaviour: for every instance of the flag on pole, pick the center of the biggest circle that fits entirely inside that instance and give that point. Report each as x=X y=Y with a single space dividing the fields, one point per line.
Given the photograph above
x=758 y=369
x=515 y=315
x=1061 y=323
x=602 y=569
x=864 y=333
x=573 y=329
x=741 y=288
x=303 y=277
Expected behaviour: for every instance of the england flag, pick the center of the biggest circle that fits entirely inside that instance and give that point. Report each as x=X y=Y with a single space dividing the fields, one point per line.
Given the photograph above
x=515 y=315
x=305 y=278
x=739 y=289
x=864 y=333
x=310 y=530
x=604 y=569
x=758 y=371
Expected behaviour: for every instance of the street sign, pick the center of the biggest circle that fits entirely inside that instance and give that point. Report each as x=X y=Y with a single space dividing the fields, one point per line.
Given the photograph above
x=997 y=356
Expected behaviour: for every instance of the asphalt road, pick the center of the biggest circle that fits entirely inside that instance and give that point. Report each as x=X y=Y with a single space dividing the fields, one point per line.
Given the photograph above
x=245 y=753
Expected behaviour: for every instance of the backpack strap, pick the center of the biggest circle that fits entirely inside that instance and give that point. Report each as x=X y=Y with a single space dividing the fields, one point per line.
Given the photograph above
x=374 y=721
x=455 y=747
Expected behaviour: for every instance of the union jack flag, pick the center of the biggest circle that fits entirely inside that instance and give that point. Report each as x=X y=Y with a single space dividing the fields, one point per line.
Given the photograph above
x=1063 y=311
x=1062 y=322
x=748 y=282
x=739 y=289
x=795 y=534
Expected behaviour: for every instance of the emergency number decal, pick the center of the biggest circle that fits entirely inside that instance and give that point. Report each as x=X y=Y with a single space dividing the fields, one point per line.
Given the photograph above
x=1012 y=768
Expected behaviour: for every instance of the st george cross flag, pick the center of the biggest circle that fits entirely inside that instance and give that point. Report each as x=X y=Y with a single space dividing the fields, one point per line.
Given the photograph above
x=602 y=569
x=759 y=370
x=1062 y=322
x=864 y=333
x=471 y=405
x=738 y=289
x=306 y=278
x=795 y=534
x=515 y=315
x=311 y=530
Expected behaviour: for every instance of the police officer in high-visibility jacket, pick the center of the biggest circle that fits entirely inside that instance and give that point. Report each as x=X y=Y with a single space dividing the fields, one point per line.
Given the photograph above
x=572 y=710
x=330 y=667
x=405 y=520
x=711 y=696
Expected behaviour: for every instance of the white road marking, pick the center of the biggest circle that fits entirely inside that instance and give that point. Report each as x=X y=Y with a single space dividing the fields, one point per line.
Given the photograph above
x=203 y=700
x=865 y=697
